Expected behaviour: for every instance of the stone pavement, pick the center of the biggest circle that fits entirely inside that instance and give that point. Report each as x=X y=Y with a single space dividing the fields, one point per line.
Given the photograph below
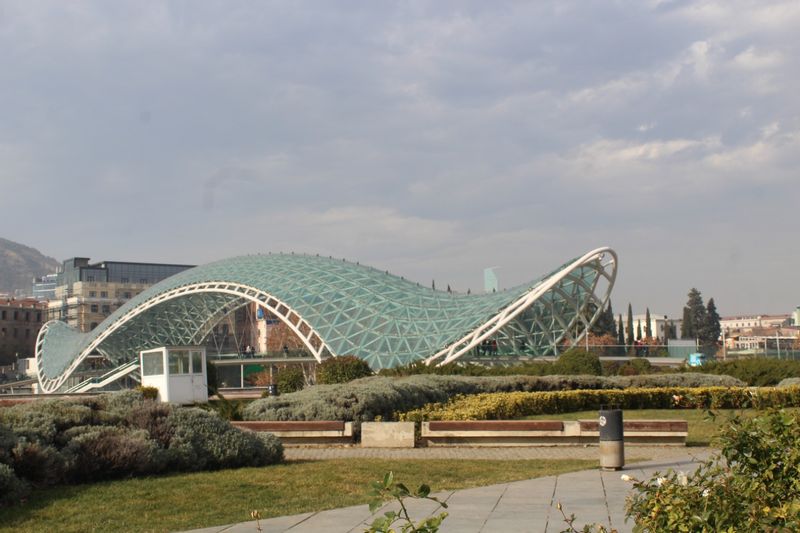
x=519 y=506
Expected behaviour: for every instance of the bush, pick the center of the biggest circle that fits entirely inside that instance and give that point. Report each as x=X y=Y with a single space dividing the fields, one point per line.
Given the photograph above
x=576 y=362
x=12 y=489
x=342 y=369
x=368 y=398
x=789 y=382
x=206 y=442
x=97 y=453
x=117 y=435
x=505 y=406
x=758 y=372
x=290 y=379
x=751 y=486
x=148 y=393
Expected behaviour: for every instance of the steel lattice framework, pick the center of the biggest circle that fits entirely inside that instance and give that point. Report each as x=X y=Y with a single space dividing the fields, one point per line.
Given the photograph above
x=340 y=308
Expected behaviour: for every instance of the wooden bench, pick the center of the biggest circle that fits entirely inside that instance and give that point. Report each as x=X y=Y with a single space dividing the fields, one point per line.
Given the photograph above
x=547 y=432
x=303 y=432
x=644 y=431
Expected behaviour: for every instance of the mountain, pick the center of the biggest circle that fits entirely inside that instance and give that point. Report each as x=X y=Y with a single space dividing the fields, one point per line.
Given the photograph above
x=19 y=264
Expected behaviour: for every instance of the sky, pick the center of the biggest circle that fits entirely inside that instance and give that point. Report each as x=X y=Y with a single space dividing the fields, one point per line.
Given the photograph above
x=432 y=139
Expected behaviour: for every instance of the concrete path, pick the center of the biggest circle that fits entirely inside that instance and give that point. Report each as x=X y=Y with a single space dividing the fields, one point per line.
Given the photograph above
x=593 y=496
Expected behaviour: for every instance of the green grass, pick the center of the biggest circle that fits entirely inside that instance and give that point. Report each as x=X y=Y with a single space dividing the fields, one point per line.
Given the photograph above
x=701 y=428
x=187 y=501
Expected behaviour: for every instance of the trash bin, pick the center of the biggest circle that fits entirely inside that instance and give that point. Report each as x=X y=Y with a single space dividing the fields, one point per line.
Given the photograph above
x=272 y=389
x=612 y=444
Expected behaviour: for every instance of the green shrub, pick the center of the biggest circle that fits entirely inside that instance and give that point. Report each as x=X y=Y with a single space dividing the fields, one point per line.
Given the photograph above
x=576 y=362
x=148 y=393
x=12 y=489
x=7 y=442
x=506 y=406
x=290 y=379
x=758 y=371
x=752 y=485
x=342 y=369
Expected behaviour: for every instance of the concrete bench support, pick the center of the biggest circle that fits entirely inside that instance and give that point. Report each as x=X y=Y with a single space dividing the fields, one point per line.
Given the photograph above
x=387 y=434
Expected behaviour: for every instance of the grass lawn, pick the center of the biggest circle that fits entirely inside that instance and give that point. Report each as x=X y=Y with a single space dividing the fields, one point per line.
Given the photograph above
x=187 y=501
x=701 y=429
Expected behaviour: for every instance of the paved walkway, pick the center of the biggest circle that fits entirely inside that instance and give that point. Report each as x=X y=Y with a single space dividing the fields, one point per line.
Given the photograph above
x=519 y=506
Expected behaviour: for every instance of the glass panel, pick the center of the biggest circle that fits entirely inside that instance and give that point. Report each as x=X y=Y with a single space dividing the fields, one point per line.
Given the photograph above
x=197 y=362
x=153 y=364
x=179 y=362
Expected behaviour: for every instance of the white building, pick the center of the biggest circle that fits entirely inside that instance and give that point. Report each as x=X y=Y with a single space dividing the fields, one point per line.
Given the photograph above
x=658 y=325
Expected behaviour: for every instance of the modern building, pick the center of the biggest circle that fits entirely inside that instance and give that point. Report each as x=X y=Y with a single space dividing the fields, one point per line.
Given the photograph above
x=337 y=308
x=44 y=288
x=86 y=294
x=20 y=322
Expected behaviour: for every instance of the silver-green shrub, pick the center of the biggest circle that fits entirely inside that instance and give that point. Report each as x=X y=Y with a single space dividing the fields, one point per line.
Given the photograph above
x=12 y=489
x=369 y=398
x=206 y=442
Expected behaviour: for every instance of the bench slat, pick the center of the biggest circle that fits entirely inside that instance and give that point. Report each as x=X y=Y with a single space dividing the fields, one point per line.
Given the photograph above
x=298 y=425
x=496 y=425
x=641 y=425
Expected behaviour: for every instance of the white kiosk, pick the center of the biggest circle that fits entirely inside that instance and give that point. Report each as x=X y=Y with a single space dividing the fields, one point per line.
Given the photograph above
x=178 y=372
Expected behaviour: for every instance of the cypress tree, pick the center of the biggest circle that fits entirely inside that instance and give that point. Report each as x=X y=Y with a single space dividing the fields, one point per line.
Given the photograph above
x=630 y=325
x=648 y=330
x=697 y=313
x=712 y=329
x=687 y=331
x=639 y=329
x=612 y=329
x=620 y=332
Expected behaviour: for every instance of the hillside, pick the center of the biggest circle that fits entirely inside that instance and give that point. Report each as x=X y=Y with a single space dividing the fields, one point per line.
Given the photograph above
x=19 y=264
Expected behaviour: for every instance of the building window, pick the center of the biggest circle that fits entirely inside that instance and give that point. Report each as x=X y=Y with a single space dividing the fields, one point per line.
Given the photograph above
x=90 y=278
x=94 y=308
x=15 y=333
x=126 y=295
x=93 y=325
x=104 y=294
x=106 y=309
x=27 y=333
x=3 y=332
x=38 y=316
x=27 y=316
x=3 y=315
x=92 y=294
x=143 y=280
x=16 y=315
x=124 y=280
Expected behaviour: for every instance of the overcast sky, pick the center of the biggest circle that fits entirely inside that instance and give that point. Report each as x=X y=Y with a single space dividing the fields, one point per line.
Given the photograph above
x=432 y=139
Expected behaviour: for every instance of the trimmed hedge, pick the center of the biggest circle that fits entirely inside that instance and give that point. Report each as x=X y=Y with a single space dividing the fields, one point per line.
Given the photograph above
x=504 y=406
x=117 y=435
x=756 y=371
x=380 y=397
x=342 y=369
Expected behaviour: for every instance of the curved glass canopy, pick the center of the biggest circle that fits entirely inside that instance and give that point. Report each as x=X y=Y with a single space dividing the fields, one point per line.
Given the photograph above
x=340 y=308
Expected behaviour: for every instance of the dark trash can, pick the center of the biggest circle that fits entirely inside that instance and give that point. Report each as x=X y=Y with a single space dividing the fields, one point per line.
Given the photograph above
x=272 y=390
x=612 y=442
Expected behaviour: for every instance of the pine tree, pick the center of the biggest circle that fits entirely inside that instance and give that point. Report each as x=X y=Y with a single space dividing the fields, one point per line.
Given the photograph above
x=648 y=330
x=630 y=325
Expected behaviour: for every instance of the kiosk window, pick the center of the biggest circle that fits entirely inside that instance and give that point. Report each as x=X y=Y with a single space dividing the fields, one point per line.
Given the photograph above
x=153 y=364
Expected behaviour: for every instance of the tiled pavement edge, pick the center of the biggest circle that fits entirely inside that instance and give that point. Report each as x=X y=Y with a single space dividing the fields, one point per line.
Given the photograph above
x=519 y=506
